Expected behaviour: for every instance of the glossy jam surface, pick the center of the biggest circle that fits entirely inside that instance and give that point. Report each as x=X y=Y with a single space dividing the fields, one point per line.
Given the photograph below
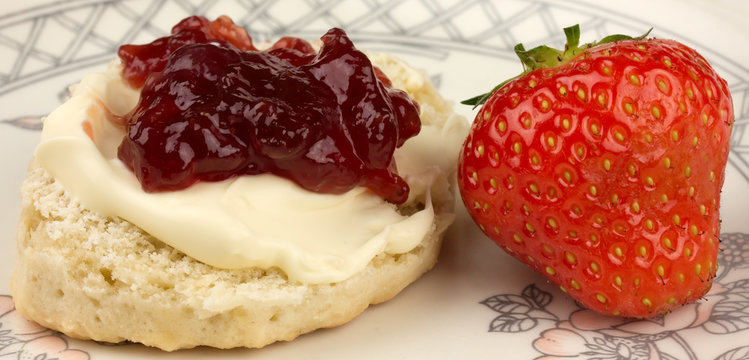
x=213 y=107
x=141 y=60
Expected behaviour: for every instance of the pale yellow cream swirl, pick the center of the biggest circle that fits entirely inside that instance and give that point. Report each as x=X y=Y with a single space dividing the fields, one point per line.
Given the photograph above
x=261 y=220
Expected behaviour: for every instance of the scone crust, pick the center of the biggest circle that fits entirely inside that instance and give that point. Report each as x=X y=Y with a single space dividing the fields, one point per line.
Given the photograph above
x=93 y=277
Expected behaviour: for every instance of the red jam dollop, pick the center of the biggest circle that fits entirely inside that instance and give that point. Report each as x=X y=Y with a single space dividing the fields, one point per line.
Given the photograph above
x=213 y=107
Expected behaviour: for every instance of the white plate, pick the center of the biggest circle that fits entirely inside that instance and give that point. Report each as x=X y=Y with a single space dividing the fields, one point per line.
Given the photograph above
x=478 y=303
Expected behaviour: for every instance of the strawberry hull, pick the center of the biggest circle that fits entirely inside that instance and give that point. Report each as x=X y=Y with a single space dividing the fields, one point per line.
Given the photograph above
x=604 y=174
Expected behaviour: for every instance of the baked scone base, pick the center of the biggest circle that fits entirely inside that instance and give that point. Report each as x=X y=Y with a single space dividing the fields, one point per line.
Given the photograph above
x=99 y=278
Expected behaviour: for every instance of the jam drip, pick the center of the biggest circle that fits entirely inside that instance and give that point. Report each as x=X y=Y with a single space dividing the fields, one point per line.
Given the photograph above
x=213 y=107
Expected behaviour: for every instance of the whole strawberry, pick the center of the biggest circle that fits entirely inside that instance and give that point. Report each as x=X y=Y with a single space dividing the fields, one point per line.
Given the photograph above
x=601 y=167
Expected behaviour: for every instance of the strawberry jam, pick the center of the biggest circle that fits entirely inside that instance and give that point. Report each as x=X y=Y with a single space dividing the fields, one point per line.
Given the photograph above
x=213 y=107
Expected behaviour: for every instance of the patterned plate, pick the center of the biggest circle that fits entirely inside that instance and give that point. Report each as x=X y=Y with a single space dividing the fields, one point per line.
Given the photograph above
x=478 y=302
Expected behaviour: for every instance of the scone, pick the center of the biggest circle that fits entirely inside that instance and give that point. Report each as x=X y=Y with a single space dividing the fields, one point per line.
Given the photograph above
x=242 y=261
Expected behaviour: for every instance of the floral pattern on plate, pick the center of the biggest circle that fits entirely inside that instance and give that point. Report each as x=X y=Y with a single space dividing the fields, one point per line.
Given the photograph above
x=585 y=334
x=23 y=339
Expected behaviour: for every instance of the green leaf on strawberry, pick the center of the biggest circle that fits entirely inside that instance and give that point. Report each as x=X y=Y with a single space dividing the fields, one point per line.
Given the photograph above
x=601 y=166
x=543 y=56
